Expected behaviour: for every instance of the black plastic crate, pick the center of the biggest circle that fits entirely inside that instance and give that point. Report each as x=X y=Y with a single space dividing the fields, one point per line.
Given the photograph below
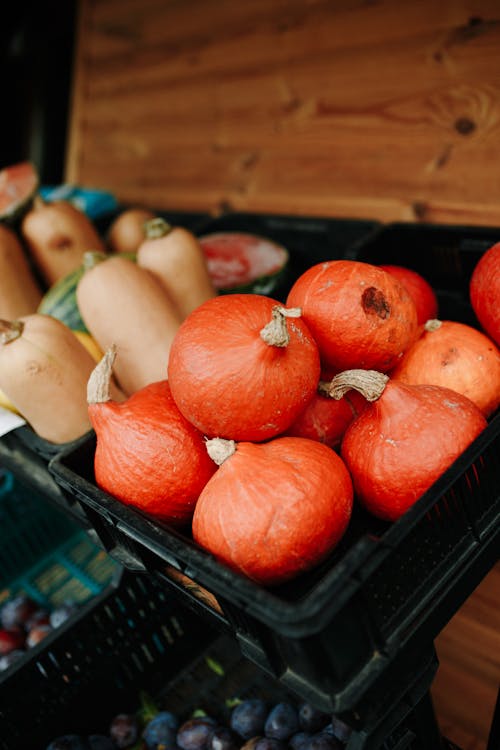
x=333 y=632
x=308 y=239
x=129 y=638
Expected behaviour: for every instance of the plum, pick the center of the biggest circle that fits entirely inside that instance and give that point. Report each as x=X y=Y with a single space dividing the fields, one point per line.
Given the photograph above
x=124 y=730
x=249 y=717
x=37 y=634
x=7 y=659
x=11 y=640
x=224 y=738
x=296 y=741
x=17 y=611
x=322 y=741
x=196 y=733
x=161 y=731
x=312 y=719
x=282 y=721
x=339 y=729
x=270 y=743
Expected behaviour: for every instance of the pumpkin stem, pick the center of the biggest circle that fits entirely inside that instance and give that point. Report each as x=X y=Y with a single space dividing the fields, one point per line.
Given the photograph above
x=38 y=202
x=155 y=228
x=220 y=449
x=369 y=383
x=275 y=333
x=98 y=385
x=10 y=330
x=91 y=258
x=432 y=325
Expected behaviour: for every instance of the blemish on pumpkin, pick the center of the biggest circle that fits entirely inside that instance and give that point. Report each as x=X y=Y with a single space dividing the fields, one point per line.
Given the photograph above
x=464 y=125
x=374 y=302
x=61 y=242
x=33 y=367
x=451 y=356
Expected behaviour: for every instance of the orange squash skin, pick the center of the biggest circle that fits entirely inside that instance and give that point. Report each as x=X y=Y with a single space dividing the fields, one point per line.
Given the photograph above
x=148 y=455
x=326 y=419
x=228 y=382
x=420 y=290
x=359 y=315
x=399 y=446
x=484 y=290
x=275 y=509
x=456 y=356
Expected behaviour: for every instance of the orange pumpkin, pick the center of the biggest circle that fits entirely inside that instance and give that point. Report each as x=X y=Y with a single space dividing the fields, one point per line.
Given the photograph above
x=484 y=292
x=275 y=509
x=326 y=419
x=359 y=315
x=397 y=448
x=148 y=455
x=456 y=356
x=419 y=289
x=243 y=367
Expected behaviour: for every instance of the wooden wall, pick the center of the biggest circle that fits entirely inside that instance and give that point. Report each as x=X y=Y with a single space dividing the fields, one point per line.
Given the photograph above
x=362 y=108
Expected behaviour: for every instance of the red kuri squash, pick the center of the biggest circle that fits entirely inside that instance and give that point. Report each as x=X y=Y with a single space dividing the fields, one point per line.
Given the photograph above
x=359 y=315
x=484 y=292
x=275 y=509
x=419 y=289
x=456 y=356
x=397 y=448
x=148 y=455
x=243 y=367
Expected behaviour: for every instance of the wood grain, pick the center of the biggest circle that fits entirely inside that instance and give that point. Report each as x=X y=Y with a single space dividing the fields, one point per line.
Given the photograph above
x=381 y=110
x=468 y=678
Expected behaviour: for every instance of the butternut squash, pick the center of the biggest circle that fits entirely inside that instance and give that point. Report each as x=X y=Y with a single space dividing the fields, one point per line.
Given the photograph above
x=44 y=370
x=175 y=256
x=127 y=231
x=20 y=293
x=124 y=304
x=57 y=234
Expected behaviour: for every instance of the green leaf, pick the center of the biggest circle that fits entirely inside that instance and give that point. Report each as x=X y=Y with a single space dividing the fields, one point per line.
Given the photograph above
x=214 y=666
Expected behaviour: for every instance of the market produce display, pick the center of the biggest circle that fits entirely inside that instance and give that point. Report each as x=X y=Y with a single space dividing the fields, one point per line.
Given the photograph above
x=253 y=724
x=24 y=624
x=185 y=365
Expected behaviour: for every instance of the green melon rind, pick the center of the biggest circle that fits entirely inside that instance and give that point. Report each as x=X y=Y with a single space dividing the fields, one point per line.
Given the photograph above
x=266 y=284
x=60 y=301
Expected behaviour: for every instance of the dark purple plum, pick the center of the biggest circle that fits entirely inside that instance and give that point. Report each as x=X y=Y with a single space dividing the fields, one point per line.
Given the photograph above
x=249 y=717
x=124 y=730
x=196 y=733
x=11 y=640
x=37 y=634
x=225 y=738
x=312 y=719
x=7 y=659
x=69 y=742
x=282 y=721
x=339 y=729
x=17 y=611
x=60 y=614
x=161 y=731
x=250 y=744
x=296 y=741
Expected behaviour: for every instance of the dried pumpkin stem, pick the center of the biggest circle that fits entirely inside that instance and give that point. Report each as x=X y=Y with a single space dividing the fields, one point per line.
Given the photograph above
x=275 y=333
x=155 y=228
x=370 y=383
x=98 y=385
x=220 y=449
x=10 y=330
x=91 y=258
x=432 y=325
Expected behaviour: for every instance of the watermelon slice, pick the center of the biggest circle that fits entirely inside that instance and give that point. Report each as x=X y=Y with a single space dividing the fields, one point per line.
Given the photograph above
x=243 y=262
x=18 y=186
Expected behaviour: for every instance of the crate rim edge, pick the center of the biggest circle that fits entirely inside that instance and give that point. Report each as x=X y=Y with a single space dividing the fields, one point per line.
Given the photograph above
x=369 y=549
